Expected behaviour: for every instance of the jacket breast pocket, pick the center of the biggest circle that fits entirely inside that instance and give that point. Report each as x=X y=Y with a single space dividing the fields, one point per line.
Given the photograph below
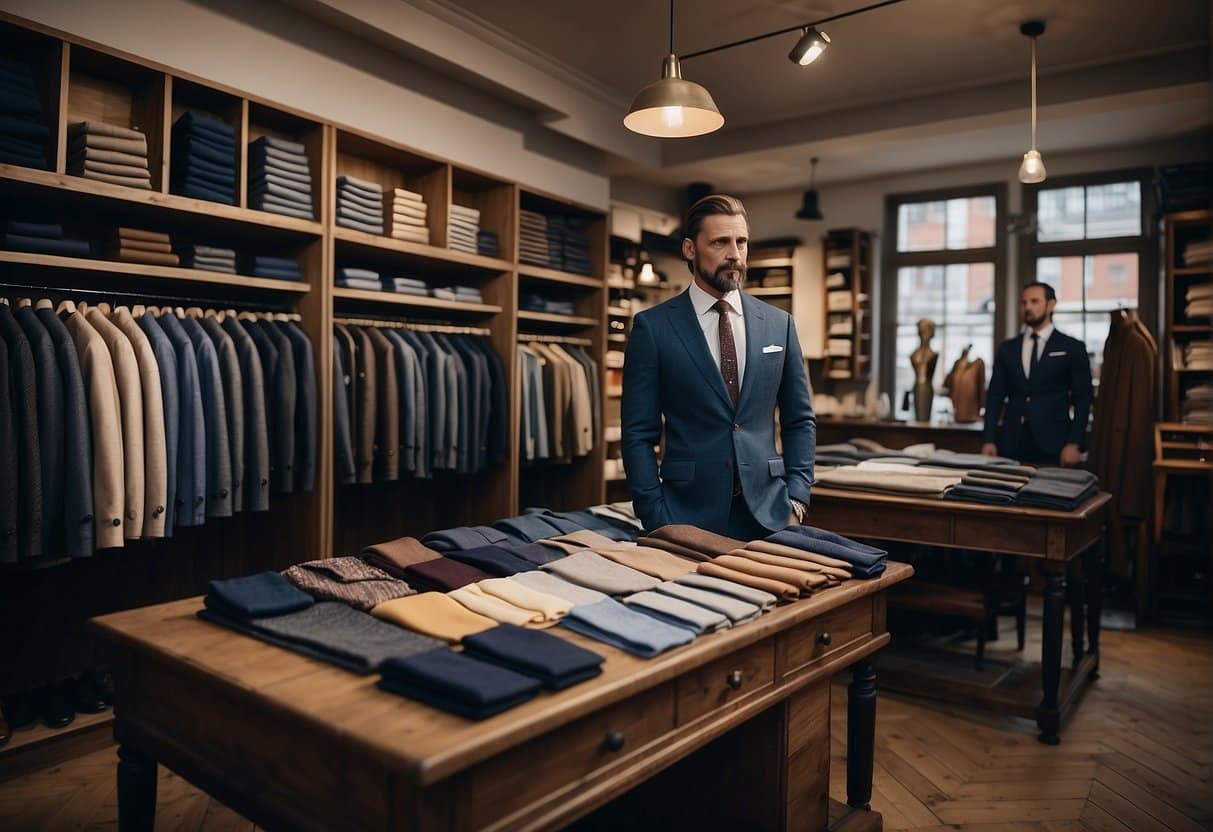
x=676 y=471
x=776 y=467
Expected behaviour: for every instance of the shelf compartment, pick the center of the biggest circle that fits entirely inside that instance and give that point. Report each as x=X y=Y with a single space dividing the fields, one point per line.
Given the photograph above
x=425 y=260
x=770 y=292
x=496 y=201
x=341 y=293
x=45 y=58
x=525 y=270
x=564 y=321
x=191 y=97
x=264 y=120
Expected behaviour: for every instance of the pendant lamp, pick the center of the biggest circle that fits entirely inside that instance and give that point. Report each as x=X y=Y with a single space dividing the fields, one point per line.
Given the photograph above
x=809 y=209
x=1032 y=169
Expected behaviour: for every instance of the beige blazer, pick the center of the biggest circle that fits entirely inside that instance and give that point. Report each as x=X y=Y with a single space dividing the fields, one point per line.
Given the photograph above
x=105 y=418
x=557 y=383
x=583 y=404
x=155 y=448
x=130 y=399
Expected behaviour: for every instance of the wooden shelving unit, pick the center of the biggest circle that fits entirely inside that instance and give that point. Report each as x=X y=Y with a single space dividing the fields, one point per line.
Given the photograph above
x=1180 y=330
x=847 y=262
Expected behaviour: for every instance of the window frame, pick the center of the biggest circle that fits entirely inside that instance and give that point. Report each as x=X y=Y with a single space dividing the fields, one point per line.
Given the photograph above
x=893 y=260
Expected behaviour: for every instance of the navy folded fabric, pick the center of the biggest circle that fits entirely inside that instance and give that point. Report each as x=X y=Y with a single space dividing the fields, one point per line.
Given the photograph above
x=9 y=158
x=23 y=127
x=274 y=262
x=21 y=146
x=268 y=205
x=193 y=146
x=463 y=537
x=225 y=182
x=556 y=663
x=571 y=521
x=281 y=175
x=283 y=145
x=356 y=185
x=496 y=560
x=280 y=186
x=192 y=121
x=457 y=683
x=256 y=596
x=270 y=159
x=196 y=164
x=866 y=561
x=536 y=553
x=277 y=274
x=46 y=230
x=41 y=245
x=198 y=189
x=530 y=527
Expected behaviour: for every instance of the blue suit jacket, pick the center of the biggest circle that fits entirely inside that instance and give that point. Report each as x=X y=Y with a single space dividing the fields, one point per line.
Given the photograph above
x=1062 y=378
x=669 y=373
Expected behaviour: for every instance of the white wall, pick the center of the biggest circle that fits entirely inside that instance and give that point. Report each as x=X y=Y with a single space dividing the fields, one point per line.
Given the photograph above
x=274 y=52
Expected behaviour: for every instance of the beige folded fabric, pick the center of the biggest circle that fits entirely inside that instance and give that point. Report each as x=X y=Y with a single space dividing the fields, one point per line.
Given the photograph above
x=144 y=245
x=405 y=194
x=407 y=222
x=434 y=614
x=656 y=562
x=109 y=155
x=549 y=606
x=128 y=181
x=839 y=568
x=127 y=144
x=407 y=209
x=151 y=258
x=805 y=581
x=133 y=171
x=479 y=601
x=102 y=128
x=421 y=235
x=780 y=589
x=126 y=233
x=578 y=540
x=819 y=579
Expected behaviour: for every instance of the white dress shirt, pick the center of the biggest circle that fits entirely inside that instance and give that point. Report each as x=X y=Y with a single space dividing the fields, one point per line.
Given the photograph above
x=1026 y=354
x=709 y=322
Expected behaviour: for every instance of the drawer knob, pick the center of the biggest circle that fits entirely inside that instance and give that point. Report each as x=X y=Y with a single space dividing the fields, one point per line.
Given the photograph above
x=613 y=741
x=734 y=680
x=824 y=639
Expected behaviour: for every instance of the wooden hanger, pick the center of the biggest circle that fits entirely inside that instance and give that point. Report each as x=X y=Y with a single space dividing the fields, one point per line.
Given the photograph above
x=66 y=307
x=24 y=302
x=4 y=300
x=82 y=307
x=118 y=309
x=246 y=316
x=138 y=310
x=104 y=308
x=176 y=310
x=194 y=312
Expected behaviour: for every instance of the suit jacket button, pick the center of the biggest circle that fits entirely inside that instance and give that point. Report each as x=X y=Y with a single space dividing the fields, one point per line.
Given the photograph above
x=222 y=493
x=736 y=426
x=88 y=518
x=130 y=515
x=116 y=522
x=159 y=510
x=199 y=500
x=264 y=482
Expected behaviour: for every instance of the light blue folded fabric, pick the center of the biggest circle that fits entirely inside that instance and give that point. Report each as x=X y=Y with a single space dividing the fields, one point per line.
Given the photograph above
x=612 y=623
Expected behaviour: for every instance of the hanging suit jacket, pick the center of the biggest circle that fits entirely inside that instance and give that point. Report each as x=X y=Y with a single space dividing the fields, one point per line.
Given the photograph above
x=462 y=425
x=343 y=445
x=155 y=446
x=1062 y=379
x=50 y=427
x=233 y=400
x=255 y=491
x=345 y=343
x=166 y=365
x=79 y=531
x=214 y=413
x=437 y=396
x=387 y=398
x=191 y=436
x=105 y=416
x=499 y=426
x=406 y=388
x=365 y=394
x=130 y=399
x=22 y=390
x=279 y=371
x=582 y=411
x=9 y=512
x=422 y=455
x=307 y=412
x=669 y=371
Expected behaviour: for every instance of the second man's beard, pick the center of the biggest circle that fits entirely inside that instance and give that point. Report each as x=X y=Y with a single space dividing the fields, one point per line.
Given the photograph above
x=721 y=280
x=1033 y=322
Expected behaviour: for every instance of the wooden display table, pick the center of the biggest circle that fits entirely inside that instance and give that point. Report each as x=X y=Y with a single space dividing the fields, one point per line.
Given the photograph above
x=1054 y=538
x=293 y=743
x=962 y=438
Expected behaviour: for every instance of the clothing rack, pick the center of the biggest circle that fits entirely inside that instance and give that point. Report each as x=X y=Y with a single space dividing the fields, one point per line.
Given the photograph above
x=177 y=300
x=385 y=323
x=524 y=337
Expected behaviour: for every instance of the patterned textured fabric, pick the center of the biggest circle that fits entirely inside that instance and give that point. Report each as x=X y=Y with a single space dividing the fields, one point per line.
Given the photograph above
x=351 y=580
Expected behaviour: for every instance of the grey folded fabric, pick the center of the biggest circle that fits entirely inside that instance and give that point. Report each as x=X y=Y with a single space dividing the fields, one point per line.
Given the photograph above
x=979 y=494
x=346 y=222
x=678 y=612
x=993 y=482
x=596 y=572
x=553 y=585
x=612 y=623
x=737 y=611
x=763 y=600
x=112 y=157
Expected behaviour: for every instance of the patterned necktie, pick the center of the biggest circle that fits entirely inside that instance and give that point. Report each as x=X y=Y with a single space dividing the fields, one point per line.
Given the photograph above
x=728 y=352
x=1033 y=359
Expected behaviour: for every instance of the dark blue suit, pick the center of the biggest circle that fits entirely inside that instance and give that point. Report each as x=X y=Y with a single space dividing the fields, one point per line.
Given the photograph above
x=669 y=372
x=1037 y=409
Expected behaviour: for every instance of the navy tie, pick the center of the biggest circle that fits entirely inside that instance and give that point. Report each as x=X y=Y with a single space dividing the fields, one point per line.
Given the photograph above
x=1033 y=359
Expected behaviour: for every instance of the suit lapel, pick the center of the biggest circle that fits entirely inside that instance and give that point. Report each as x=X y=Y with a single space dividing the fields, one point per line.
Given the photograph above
x=755 y=337
x=1017 y=344
x=686 y=325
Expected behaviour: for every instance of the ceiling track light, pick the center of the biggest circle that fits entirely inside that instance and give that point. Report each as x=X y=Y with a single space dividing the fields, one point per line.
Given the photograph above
x=810 y=46
x=1032 y=168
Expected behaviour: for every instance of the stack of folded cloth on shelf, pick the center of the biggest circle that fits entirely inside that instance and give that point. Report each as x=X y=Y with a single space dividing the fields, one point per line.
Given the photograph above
x=533 y=302
x=1197 y=404
x=108 y=153
x=351 y=278
x=838 y=301
x=405 y=212
x=359 y=205
x=137 y=245
x=1063 y=489
x=208 y=258
x=405 y=286
x=261 y=265
x=463 y=224
x=1198 y=252
x=776 y=278
x=1198 y=355
x=533 y=239
x=836 y=280
x=487 y=244
x=838 y=346
x=575 y=244
x=42 y=238
x=1199 y=300
x=280 y=179
x=204 y=159
x=23 y=135
x=463 y=294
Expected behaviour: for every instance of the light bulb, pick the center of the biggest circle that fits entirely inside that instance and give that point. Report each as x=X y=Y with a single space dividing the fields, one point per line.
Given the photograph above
x=1032 y=169
x=672 y=116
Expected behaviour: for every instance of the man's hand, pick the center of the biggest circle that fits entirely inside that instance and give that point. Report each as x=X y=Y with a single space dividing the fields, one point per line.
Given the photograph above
x=989 y=449
x=797 y=516
x=1070 y=455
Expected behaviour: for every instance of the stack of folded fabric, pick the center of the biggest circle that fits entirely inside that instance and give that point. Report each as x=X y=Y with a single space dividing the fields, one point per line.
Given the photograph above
x=493 y=559
x=458 y=683
x=405 y=212
x=1198 y=355
x=359 y=205
x=533 y=238
x=351 y=278
x=737 y=611
x=1198 y=252
x=534 y=302
x=1198 y=300
x=511 y=603
x=434 y=614
x=462 y=294
x=350 y=580
x=137 y=245
x=988 y=485
x=280 y=178
x=1063 y=489
x=690 y=542
x=23 y=135
x=204 y=159
x=616 y=624
x=108 y=153
x=1197 y=404
x=405 y=286
x=575 y=246
x=42 y=238
x=777 y=278
x=262 y=265
x=593 y=571
x=209 y=258
x=864 y=561
x=462 y=226
x=892 y=478
x=487 y=244
x=556 y=663
x=677 y=611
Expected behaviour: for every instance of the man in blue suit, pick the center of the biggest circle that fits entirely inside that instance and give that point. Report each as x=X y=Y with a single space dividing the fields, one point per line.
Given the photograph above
x=714 y=363
x=1040 y=375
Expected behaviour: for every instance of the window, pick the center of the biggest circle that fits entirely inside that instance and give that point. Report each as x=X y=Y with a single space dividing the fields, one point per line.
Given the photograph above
x=944 y=262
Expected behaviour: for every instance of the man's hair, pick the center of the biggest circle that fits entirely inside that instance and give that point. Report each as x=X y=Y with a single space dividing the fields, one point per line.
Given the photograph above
x=712 y=204
x=1049 y=293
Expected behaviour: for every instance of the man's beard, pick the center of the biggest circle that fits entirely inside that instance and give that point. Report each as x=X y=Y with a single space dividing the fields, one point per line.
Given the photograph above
x=721 y=280
x=1034 y=322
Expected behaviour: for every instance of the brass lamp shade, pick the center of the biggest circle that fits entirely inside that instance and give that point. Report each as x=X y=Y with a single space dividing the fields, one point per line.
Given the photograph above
x=673 y=107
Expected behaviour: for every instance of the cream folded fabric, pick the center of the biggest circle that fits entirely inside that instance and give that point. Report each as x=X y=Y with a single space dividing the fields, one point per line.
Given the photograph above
x=408 y=209
x=433 y=614
x=596 y=572
x=888 y=482
x=559 y=587
x=805 y=581
x=479 y=601
x=411 y=222
x=656 y=562
x=551 y=607
x=405 y=194
x=419 y=235
x=780 y=589
x=578 y=541
x=833 y=566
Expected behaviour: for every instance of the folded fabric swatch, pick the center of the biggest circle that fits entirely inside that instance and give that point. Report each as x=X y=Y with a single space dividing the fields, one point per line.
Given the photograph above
x=457 y=683
x=366 y=274
x=496 y=560
x=145 y=245
x=577 y=541
x=803 y=579
x=359 y=283
x=405 y=195
x=498 y=609
x=613 y=623
x=356 y=184
x=760 y=598
x=443 y=574
x=551 y=607
x=101 y=128
x=830 y=566
x=866 y=561
x=42 y=245
x=782 y=590
x=395 y=556
x=134 y=255
x=127 y=181
x=368 y=227
x=736 y=610
x=332 y=632
x=145 y=235
x=115 y=169
x=559 y=587
x=463 y=537
x=536 y=553
x=83 y=155
x=433 y=614
x=708 y=544
x=255 y=596
x=421 y=235
x=678 y=612
x=596 y=572
x=350 y=580
x=51 y=231
x=556 y=663
x=656 y=562
x=819 y=578
x=980 y=494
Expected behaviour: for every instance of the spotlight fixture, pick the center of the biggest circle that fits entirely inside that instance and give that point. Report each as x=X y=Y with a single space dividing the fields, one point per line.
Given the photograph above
x=810 y=46
x=1032 y=169
x=809 y=209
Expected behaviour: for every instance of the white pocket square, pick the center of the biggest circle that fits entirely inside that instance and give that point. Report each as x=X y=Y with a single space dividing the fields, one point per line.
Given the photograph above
x=771 y=348
x=1059 y=352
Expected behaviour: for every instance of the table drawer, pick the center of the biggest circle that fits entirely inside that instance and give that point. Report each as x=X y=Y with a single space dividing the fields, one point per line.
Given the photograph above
x=539 y=769
x=733 y=678
x=808 y=643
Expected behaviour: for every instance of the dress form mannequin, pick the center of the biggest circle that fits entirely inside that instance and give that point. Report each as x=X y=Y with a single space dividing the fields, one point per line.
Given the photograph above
x=923 y=361
x=966 y=384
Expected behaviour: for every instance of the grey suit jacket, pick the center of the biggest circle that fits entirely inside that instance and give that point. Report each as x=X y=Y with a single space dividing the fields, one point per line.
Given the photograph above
x=406 y=379
x=50 y=427
x=387 y=398
x=191 y=437
x=155 y=447
x=233 y=400
x=279 y=371
x=166 y=364
x=436 y=399
x=23 y=390
x=423 y=460
x=366 y=372
x=307 y=411
x=343 y=445
x=464 y=424
x=255 y=492
x=214 y=409
x=79 y=534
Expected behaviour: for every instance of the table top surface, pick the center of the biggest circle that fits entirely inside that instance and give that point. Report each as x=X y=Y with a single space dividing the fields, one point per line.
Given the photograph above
x=427 y=743
x=1092 y=506
x=968 y=427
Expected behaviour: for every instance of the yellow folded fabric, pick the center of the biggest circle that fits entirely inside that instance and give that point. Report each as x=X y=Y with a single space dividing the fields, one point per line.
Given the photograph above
x=801 y=554
x=780 y=589
x=479 y=601
x=805 y=581
x=832 y=572
x=650 y=561
x=433 y=614
x=549 y=606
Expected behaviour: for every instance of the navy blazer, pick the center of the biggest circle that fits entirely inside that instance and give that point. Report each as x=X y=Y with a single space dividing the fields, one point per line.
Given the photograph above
x=79 y=534
x=23 y=391
x=191 y=434
x=50 y=427
x=669 y=372
x=1061 y=380
x=255 y=495
x=166 y=361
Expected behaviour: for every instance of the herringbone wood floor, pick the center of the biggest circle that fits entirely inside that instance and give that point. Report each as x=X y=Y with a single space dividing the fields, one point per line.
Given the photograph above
x=1137 y=756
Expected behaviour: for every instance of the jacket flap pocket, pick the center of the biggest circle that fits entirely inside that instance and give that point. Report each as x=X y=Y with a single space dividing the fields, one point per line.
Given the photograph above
x=776 y=467
x=678 y=470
